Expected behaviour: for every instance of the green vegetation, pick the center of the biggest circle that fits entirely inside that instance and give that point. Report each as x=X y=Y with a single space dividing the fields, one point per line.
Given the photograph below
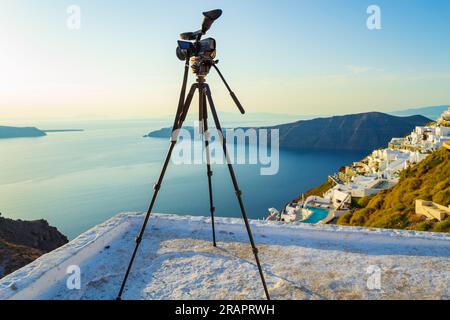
x=395 y=208
x=359 y=203
x=317 y=191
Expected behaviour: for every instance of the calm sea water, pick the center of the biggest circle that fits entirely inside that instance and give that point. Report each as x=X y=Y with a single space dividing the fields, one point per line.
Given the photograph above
x=76 y=180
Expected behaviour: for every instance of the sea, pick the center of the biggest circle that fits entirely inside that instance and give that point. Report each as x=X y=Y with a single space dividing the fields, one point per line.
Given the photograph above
x=76 y=180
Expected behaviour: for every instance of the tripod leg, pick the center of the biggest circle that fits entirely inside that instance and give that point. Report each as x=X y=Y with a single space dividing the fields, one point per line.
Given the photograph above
x=236 y=188
x=185 y=109
x=178 y=125
x=235 y=99
x=181 y=101
x=204 y=117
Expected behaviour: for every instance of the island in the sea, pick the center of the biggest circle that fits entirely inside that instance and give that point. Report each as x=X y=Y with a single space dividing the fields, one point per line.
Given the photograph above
x=7 y=132
x=363 y=131
x=20 y=132
x=166 y=133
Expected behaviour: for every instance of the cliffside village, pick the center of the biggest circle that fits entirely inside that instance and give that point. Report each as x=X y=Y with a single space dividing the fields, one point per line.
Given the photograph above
x=378 y=171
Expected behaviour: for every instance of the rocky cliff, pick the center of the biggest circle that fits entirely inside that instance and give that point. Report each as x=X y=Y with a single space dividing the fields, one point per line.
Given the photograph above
x=21 y=242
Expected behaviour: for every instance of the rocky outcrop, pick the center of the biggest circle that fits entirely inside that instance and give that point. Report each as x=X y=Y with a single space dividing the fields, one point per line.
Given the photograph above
x=13 y=257
x=21 y=242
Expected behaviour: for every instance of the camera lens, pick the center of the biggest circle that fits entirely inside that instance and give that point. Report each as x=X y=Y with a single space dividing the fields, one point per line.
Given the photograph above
x=181 y=54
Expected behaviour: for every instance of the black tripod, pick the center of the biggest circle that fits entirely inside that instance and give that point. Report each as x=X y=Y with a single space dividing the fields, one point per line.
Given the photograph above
x=183 y=109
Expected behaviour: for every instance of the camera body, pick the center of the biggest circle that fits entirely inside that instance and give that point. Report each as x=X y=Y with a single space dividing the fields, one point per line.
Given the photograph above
x=205 y=48
x=200 y=52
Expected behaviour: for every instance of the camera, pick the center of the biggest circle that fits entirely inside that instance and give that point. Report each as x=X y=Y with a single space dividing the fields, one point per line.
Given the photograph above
x=205 y=49
x=200 y=52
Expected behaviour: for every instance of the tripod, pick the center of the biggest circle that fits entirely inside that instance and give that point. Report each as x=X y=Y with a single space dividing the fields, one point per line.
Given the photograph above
x=205 y=98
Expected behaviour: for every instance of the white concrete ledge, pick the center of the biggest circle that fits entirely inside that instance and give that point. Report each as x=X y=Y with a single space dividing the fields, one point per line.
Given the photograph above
x=177 y=261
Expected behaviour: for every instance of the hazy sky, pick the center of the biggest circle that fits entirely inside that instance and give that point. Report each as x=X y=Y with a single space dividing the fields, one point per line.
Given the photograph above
x=298 y=57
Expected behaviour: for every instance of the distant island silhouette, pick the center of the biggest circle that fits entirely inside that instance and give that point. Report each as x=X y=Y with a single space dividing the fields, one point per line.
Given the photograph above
x=7 y=132
x=18 y=132
x=167 y=132
x=363 y=131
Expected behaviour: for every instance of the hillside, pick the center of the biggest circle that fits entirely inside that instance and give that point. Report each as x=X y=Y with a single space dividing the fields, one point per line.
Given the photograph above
x=21 y=242
x=317 y=191
x=364 y=131
x=178 y=261
x=16 y=132
x=395 y=208
x=13 y=257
